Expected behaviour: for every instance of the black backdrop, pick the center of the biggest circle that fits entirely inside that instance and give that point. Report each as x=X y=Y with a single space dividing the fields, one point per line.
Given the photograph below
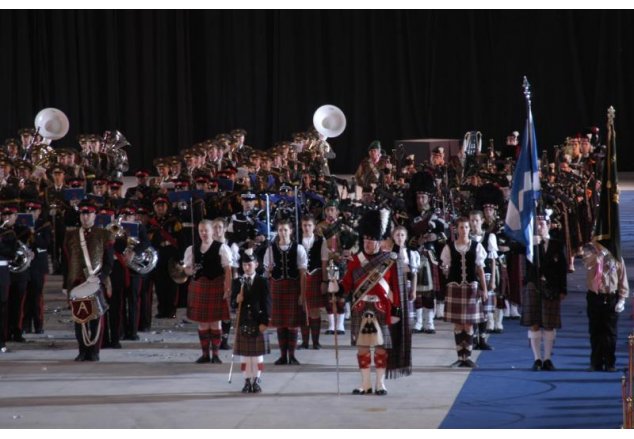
x=167 y=79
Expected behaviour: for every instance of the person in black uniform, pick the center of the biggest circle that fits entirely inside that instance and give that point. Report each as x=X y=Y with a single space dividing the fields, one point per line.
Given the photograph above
x=164 y=232
x=545 y=288
x=8 y=247
x=42 y=237
x=17 y=290
x=131 y=301
x=251 y=295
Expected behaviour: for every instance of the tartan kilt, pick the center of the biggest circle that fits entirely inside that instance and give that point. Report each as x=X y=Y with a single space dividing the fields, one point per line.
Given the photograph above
x=356 y=315
x=205 y=302
x=516 y=269
x=537 y=310
x=251 y=346
x=462 y=304
x=505 y=286
x=489 y=305
x=314 y=298
x=286 y=311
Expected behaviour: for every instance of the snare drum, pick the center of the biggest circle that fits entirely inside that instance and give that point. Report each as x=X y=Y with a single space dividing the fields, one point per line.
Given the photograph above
x=87 y=302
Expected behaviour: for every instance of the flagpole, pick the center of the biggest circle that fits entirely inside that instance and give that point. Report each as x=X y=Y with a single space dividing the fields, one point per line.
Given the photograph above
x=532 y=144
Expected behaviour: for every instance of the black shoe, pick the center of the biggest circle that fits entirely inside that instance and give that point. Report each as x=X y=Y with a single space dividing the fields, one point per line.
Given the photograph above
x=224 y=344
x=215 y=359
x=81 y=357
x=497 y=331
x=456 y=363
x=93 y=357
x=293 y=361
x=247 y=386
x=281 y=361
x=537 y=365
x=203 y=359
x=19 y=339
x=380 y=392
x=116 y=345
x=429 y=331
x=39 y=331
x=362 y=392
x=476 y=344
x=340 y=332
x=329 y=332
x=255 y=387
x=304 y=346
x=548 y=365
x=484 y=346
x=132 y=337
x=418 y=331
x=316 y=346
x=468 y=363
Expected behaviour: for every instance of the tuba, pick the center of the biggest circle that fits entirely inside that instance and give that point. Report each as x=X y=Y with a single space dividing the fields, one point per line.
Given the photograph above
x=329 y=121
x=142 y=263
x=22 y=259
x=114 y=142
x=51 y=124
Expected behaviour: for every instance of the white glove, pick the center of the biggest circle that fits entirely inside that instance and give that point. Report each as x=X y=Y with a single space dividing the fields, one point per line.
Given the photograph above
x=620 y=305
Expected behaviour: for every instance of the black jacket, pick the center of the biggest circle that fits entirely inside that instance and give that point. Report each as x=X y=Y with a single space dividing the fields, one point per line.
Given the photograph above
x=257 y=300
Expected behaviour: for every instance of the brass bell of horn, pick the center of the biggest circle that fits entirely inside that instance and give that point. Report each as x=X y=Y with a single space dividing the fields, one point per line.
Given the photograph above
x=51 y=123
x=329 y=121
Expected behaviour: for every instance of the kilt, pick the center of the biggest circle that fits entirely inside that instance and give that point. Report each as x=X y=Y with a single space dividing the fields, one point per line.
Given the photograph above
x=314 y=298
x=462 y=304
x=205 y=302
x=537 y=310
x=251 y=346
x=356 y=315
x=489 y=305
x=516 y=269
x=503 y=292
x=286 y=311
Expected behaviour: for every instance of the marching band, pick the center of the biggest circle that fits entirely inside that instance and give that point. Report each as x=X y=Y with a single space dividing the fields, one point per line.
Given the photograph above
x=277 y=222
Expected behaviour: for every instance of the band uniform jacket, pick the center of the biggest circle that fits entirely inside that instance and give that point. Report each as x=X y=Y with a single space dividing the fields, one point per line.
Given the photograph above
x=552 y=266
x=257 y=300
x=100 y=248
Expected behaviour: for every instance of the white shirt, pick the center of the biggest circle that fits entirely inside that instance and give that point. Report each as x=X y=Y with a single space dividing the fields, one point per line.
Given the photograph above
x=491 y=247
x=224 y=252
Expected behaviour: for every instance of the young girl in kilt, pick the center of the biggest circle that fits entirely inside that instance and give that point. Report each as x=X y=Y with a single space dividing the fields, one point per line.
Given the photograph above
x=285 y=262
x=542 y=294
x=316 y=276
x=463 y=265
x=252 y=297
x=489 y=242
x=209 y=264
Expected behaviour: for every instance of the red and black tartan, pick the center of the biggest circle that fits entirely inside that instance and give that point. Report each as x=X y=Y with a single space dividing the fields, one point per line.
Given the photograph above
x=516 y=270
x=286 y=311
x=251 y=346
x=356 y=315
x=463 y=304
x=537 y=310
x=205 y=302
x=314 y=298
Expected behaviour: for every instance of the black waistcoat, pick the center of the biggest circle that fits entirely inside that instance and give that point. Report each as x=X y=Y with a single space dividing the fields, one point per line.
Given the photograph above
x=210 y=261
x=285 y=262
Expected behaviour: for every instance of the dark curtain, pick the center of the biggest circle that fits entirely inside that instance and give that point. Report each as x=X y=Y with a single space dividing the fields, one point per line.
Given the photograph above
x=167 y=79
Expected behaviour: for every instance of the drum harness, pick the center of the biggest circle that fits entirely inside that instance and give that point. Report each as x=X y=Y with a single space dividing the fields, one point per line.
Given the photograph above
x=91 y=273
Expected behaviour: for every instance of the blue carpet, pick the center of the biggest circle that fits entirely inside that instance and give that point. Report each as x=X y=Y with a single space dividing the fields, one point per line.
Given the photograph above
x=504 y=393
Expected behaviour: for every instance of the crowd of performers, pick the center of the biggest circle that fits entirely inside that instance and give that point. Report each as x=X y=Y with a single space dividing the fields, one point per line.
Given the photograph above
x=274 y=237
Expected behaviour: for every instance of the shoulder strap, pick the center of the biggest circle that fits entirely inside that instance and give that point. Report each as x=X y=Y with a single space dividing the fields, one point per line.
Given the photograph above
x=84 y=250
